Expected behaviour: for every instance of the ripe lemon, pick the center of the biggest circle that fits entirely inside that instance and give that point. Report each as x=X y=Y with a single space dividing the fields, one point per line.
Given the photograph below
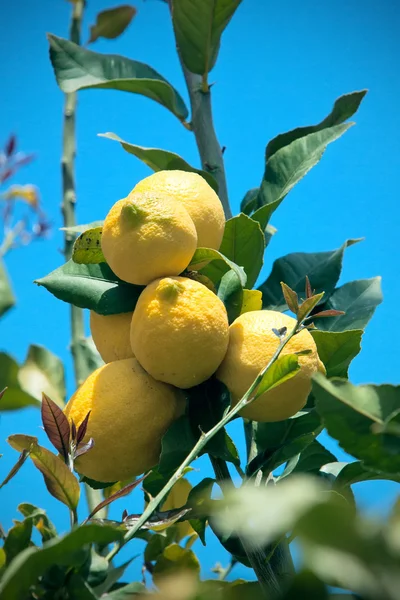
x=130 y=412
x=176 y=499
x=179 y=331
x=251 y=345
x=110 y=335
x=148 y=235
x=199 y=199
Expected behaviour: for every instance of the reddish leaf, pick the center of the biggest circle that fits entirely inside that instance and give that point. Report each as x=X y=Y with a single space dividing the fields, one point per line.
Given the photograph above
x=123 y=492
x=22 y=458
x=124 y=514
x=83 y=448
x=10 y=146
x=290 y=298
x=3 y=392
x=309 y=290
x=56 y=425
x=328 y=313
x=23 y=159
x=7 y=174
x=307 y=306
x=82 y=428
x=73 y=430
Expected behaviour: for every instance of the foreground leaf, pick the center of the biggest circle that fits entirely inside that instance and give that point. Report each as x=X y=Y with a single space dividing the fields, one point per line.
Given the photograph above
x=161 y=160
x=322 y=268
x=7 y=299
x=76 y=68
x=91 y=286
x=252 y=300
x=30 y=564
x=59 y=480
x=43 y=372
x=284 y=368
x=174 y=560
x=18 y=538
x=198 y=26
x=15 y=396
x=230 y=291
x=337 y=349
x=358 y=299
x=112 y=22
x=351 y=414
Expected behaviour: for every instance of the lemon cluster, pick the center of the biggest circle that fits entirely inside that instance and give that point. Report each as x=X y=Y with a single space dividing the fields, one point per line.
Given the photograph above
x=177 y=337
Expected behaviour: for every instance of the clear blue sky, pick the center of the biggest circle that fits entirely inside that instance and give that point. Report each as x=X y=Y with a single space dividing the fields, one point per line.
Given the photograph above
x=281 y=65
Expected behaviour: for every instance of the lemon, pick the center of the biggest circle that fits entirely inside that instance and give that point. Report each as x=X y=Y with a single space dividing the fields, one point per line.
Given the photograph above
x=252 y=344
x=130 y=412
x=199 y=199
x=179 y=331
x=110 y=335
x=148 y=235
x=176 y=499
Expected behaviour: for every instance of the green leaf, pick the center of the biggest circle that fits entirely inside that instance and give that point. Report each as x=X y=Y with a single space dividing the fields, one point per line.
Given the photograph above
x=206 y=406
x=39 y=520
x=322 y=268
x=291 y=163
x=76 y=69
x=79 y=589
x=311 y=459
x=41 y=372
x=250 y=201
x=358 y=299
x=112 y=22
x=210 y=255
x=176 y=444
x=59 y=480
x=353 y=415
x=7 y=299
x=344 y=108
x=15 y=397
x=198 y=26
x=91 y=286
x=273 y=435
x=337 y=349
x=87 y=248
x=284 y=368
x=252 y=300
x=269 y=461
x=173 y=560
x=127 y=592
x=30 y=564
x=307 y=585
x=355 y=472
x=161 y=160
x=113 y=575
x=18 y=538
x=199 y=496
x=243 y=243
x=230 y=291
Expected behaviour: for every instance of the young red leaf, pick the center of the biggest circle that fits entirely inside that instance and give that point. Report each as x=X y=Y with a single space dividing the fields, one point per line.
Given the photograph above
x=56 y=425
x=11 y=145
x=82 y=429
x=73 y=431
x=306 y=307
x=328 y=313
x=291 y=298
x=22 y=458
x=123 y=492
x=309 y=290
x=83 y=448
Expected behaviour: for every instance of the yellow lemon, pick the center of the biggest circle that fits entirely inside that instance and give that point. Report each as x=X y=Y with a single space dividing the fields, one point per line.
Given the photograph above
x=251 y=345
x=110 y=335
x=179 y=331
x=130 y=412
x=148 y=235
x=199 y=199
x=176 y=499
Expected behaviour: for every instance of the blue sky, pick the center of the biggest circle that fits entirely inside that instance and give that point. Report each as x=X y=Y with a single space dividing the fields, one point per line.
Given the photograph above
x=281 y=65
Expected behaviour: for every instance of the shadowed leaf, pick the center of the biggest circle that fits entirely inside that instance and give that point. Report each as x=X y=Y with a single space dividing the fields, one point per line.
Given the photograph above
x=209 y=255
x=22 y=458
x=112 y=22
x=123 y=492
x=56 y=426
x=230 y=291
x=41 y=372
x=269 y=460
x=39 y=519
x=82 y=428
x=160 y=160
x=18 y=538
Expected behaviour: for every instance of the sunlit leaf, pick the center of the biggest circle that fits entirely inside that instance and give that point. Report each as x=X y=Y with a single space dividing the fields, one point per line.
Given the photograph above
x=15 y=397
x=284 y=368
x=43 y=372
x=87 y=248
x=337 y=349
x=252 y=300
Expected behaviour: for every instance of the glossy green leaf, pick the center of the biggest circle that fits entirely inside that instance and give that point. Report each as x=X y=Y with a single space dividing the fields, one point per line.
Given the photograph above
x=76 y=68
x=322 y=268
x=353 y=415
x=210 y=255
x=273 y=435
x=198 y=26
x=290 y=164
x=91 y=286
x=41 y=372
x=87 y=248
x=30 y=564
x=18 y=538
x=344 y=108
x=59 y=480
x=161 y=160
x=358 y=299
x=284 y=368
x=337 y=349
x=310 y=460
x=112 y=22
x=176 y=444
x=230 y=291
x=7 y=299
x=15 y=397
x=355 y=472
x=269 y=461
x=250 y=201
